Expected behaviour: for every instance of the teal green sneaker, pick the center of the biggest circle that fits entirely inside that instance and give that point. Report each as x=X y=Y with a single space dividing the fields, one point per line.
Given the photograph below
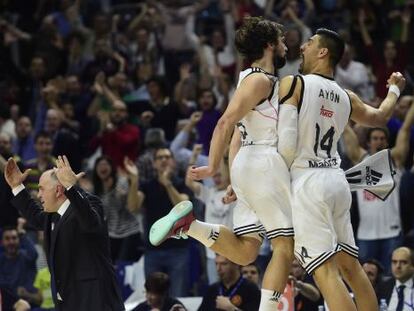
x=173 y=225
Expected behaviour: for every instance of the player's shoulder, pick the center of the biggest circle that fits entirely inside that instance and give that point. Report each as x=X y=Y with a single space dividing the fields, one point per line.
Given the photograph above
x=291 y=80
x=256 y=76
x=257 y=81
x=290 y=85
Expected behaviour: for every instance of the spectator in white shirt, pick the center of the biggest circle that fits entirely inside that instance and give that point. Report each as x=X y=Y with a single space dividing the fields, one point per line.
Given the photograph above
x=398 y=290
x=354 y=75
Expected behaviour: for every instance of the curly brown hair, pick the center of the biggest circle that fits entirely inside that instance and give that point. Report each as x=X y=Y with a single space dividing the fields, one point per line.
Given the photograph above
x=254 y=36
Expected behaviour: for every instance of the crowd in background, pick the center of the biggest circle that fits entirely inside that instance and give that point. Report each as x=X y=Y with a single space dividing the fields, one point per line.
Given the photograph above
x=130 y=91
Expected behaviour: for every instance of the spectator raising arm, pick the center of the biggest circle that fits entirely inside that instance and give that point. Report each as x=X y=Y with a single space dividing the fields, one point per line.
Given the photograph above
x=135 y=197
x=194 y=186
x=353 y=150
x=400 y=151
x=164 y=179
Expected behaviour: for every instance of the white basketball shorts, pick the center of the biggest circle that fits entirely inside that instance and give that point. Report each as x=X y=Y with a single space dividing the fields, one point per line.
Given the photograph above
x=261 y=181
x=321 y=202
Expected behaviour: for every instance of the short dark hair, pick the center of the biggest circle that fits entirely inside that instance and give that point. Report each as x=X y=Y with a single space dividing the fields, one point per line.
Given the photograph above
x=333 y=42
x=373 y=261
x=154 y=138
x=201 y=92
x=157 y=283
x=8 y=228
x=254 y=36
x=254 y=264
x=42 y=134
x=162 y=148
x=381 y=129
x=160 y=81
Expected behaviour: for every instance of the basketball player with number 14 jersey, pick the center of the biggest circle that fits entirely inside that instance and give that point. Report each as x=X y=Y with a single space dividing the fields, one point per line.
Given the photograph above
x=313 y=114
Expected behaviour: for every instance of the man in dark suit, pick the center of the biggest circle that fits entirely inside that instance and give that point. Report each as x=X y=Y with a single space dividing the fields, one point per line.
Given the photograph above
x=76 y=238
x=398 y=291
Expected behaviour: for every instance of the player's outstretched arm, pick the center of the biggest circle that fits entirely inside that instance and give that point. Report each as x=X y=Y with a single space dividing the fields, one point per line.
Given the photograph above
x=373 y=117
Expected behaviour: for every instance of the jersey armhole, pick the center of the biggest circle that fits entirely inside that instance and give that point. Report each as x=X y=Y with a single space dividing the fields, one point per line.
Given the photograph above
x=350 y=105
x=291 y=90
x=258 y=70
x=302 y=90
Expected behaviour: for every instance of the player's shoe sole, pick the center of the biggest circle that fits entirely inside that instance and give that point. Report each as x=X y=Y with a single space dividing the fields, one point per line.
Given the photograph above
x=163 y=228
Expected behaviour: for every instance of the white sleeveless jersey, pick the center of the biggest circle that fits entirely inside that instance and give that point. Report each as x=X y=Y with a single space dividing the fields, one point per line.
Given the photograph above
x=324 y=111
x=259 y=126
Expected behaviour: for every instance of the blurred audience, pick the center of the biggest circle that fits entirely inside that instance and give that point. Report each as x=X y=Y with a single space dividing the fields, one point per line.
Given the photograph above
x=102 y=81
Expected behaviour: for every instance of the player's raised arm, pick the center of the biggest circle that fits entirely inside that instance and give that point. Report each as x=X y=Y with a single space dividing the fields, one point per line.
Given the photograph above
x=372 y=117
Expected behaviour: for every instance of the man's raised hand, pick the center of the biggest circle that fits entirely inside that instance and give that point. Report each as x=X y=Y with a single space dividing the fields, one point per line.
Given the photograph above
x=13 y=175
x=64 y=172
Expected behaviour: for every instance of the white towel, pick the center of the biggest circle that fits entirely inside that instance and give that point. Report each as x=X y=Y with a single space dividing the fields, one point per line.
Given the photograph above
x=374 y=174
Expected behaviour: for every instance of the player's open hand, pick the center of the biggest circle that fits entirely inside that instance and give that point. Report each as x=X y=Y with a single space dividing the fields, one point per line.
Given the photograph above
x=13 y=175
x=202 y=172
x=64 y=172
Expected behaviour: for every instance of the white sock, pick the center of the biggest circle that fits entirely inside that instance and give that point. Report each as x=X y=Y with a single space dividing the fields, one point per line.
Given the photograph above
x=269 y=300
x=204 y=232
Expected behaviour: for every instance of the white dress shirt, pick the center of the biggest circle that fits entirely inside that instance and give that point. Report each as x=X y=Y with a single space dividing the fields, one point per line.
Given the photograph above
x=62 y=209
x=408 y=296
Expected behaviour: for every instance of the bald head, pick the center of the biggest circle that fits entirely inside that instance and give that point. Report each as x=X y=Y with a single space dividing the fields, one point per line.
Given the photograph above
x=53 y=120
x=23 y=127
x=402 y=264
x=52 y=175
x=51 y=192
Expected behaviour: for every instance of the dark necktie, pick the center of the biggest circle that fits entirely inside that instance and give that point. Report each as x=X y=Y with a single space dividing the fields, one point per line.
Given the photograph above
x=55 y=219
x=400 y=292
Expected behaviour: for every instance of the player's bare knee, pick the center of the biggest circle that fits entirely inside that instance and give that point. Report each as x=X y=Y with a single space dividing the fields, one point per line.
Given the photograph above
x=283 y=247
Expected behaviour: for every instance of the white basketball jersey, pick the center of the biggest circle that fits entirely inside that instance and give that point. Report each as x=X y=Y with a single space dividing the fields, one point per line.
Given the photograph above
x=323 y=114
x=259 y=126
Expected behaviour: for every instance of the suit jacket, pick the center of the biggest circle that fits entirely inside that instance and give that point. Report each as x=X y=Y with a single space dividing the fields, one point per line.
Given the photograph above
x=385 y=289
x=77 y=251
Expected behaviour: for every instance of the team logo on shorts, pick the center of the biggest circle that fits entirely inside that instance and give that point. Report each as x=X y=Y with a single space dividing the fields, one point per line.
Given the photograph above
x=304 y=254
x=242 y=130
